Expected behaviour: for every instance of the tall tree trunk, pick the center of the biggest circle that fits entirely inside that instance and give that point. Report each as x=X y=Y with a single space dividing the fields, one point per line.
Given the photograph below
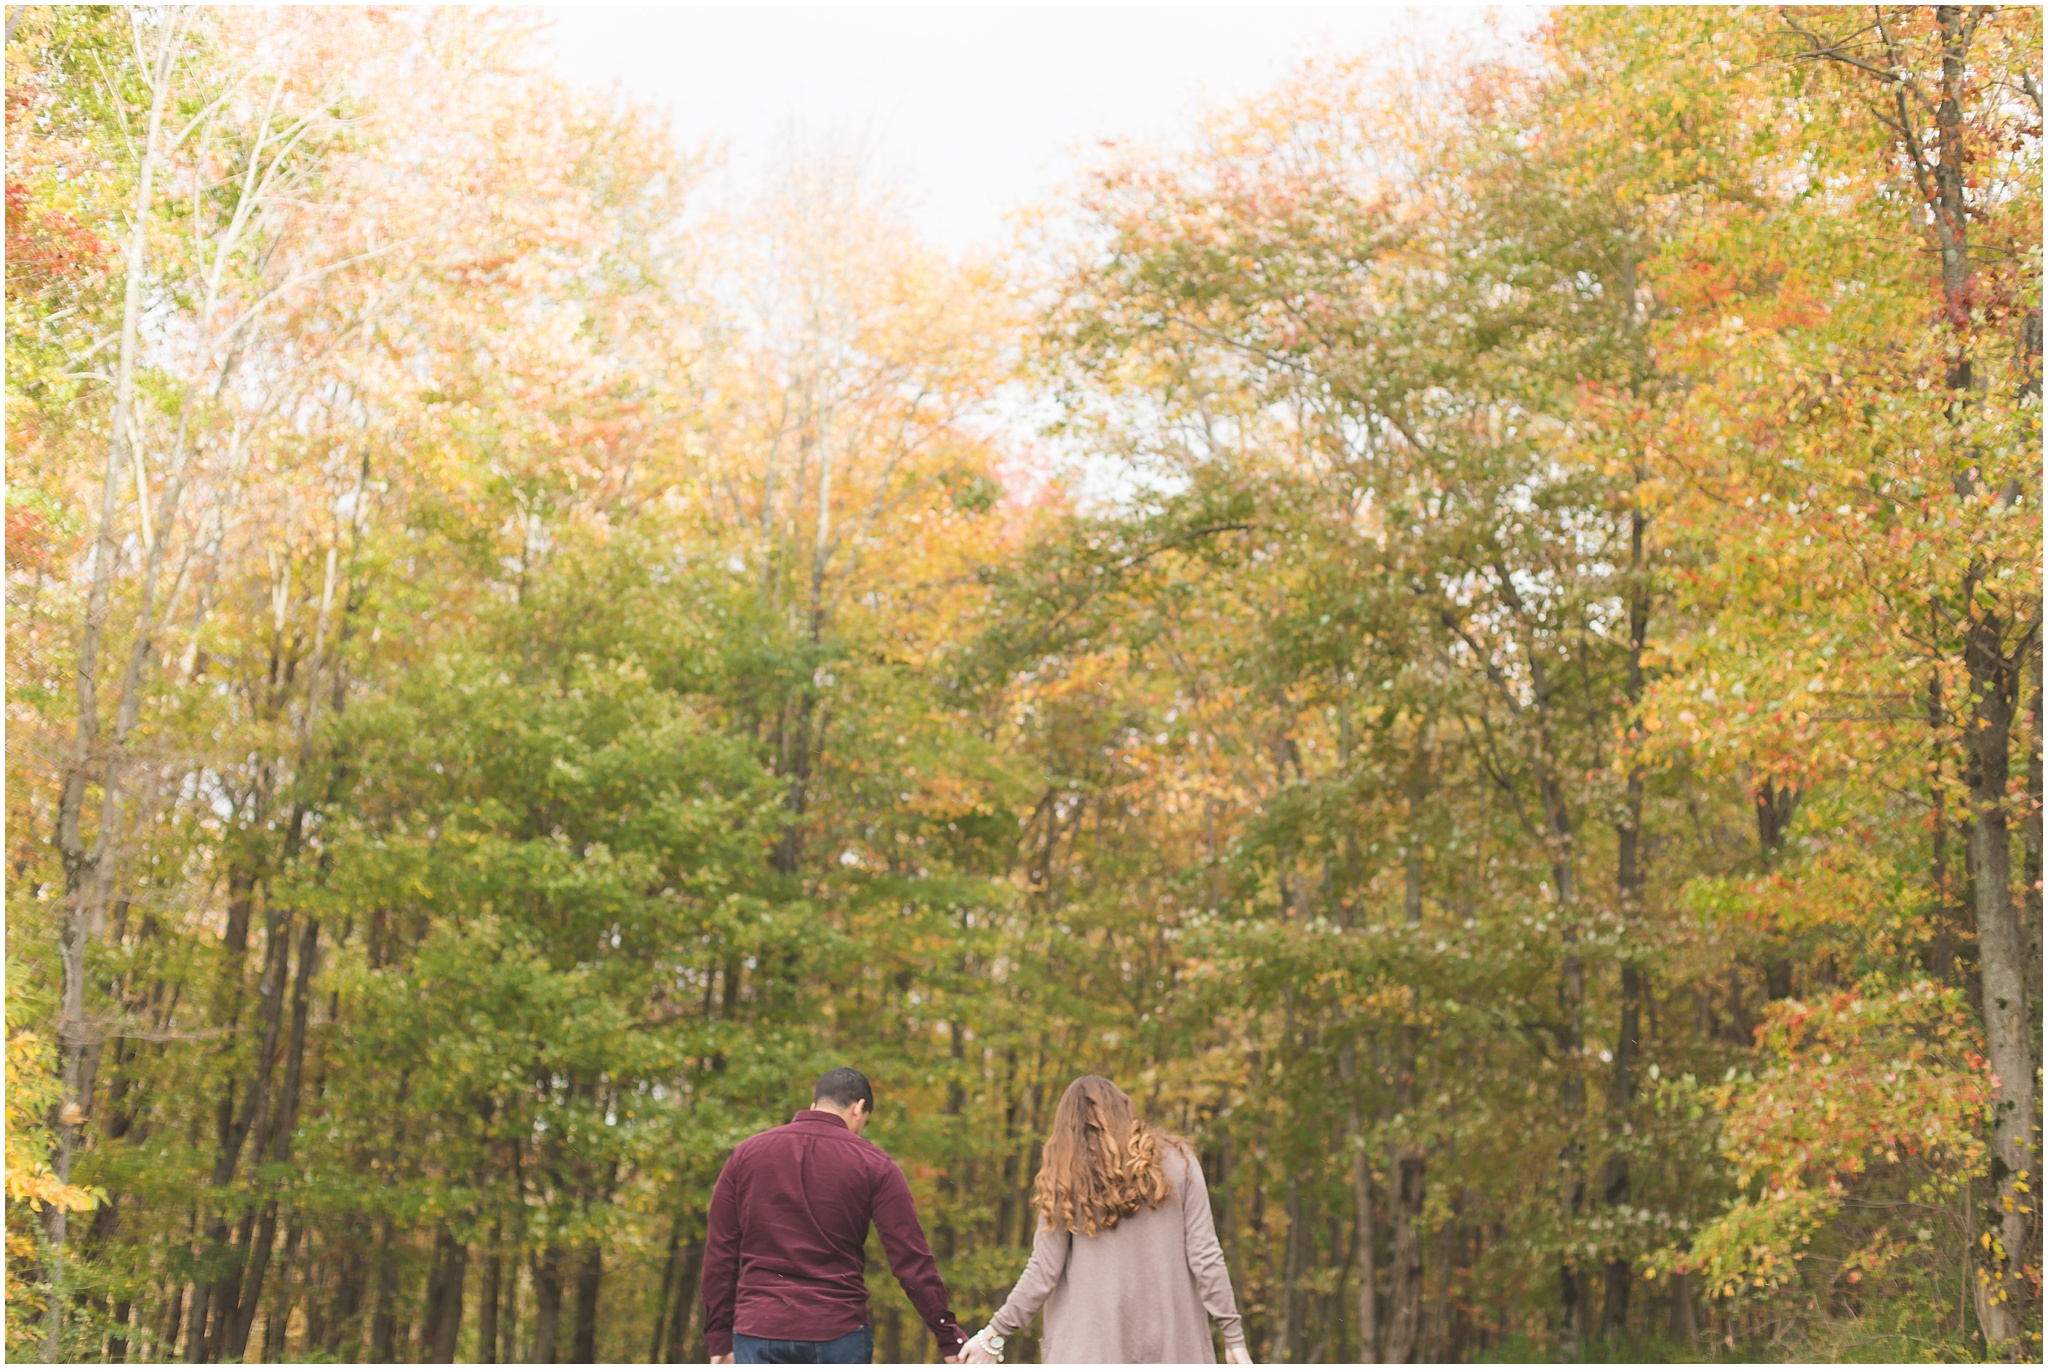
x=86 y=868
x=487 y=1296
x=1010 y=1211
x=2007 y=1304
x=1365 y=1238
x=117 y=1341
x=224 y=1324
x=547 y=1303
x=316 y=1312
x=1775 y=805
x=892 y=1337
x=666 y=1295
x=1628 y=884
x=1295 y=1268
x=589 y=1281
x=174 y=1320
x=1947 y=916
x=1629 y=888
x=508 y=1317
x=442 y=1323
x=1330 y=1302
x=2006 y=1296
x=688 y=1296
x=240 y=1318
x=202 y=1302
x=276 y=1142
x=279 y=1323
x=1620 y=1271
x=2030 y=839
x=384 y=1315
x=1685 y=1325
x=946 y=1238
x=1574 y=1291
x=1433 y=1344
x=344 y=1325
x=1405 y=1270
x=1407 y=1166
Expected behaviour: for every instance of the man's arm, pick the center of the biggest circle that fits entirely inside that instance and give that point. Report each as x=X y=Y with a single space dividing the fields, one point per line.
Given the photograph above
x=721 y=1264
x=910 y=1257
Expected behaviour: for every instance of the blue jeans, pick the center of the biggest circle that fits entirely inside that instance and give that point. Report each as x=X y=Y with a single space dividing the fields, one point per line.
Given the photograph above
x=855 y=1347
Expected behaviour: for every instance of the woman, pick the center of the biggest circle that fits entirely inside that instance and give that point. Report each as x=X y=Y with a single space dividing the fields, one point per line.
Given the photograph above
x=1126 y=1263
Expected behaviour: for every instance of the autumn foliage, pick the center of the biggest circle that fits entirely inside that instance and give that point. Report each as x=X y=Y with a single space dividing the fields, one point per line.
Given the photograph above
x=1497 y=691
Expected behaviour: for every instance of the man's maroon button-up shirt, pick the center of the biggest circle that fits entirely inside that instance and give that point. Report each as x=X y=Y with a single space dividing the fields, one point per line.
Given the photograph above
x=785 y=1254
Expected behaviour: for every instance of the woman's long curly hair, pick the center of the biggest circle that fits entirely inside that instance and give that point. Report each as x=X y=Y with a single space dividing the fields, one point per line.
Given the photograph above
x=1101 y=1163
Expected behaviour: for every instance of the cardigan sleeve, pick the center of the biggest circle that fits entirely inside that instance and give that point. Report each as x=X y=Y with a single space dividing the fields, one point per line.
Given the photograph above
x=1041 y=1275
x=1205 y=1257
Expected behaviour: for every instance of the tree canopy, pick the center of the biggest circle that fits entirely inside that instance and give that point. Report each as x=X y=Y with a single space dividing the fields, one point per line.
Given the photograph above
x=513 y=671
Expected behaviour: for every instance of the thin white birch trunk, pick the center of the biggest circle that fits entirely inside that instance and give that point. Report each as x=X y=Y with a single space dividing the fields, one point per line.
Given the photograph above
x=84 y=868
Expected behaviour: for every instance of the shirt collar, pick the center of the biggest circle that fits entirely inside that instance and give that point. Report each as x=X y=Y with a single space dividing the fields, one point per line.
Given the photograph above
x=820 y=1115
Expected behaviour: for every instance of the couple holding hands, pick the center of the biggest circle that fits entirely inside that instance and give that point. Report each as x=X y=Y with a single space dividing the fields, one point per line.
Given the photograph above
x=1126 y=1266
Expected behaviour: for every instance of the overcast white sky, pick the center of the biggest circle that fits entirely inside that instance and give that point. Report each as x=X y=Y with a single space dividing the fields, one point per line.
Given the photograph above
x=966 y=111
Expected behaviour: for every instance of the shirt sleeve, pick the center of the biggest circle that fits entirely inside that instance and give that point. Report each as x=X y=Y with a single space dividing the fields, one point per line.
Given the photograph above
x=910 y=1257
x=721 y=1263
x=1048 y=1262
x=1205 y=1257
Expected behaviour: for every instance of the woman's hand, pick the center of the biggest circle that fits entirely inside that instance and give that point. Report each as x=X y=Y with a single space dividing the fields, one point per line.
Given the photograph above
x=976 y=1350
x=1240 y=1354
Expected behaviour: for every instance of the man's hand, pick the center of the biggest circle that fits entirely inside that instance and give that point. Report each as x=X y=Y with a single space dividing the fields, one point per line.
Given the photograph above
x=721 y=1359
x=953 y=1359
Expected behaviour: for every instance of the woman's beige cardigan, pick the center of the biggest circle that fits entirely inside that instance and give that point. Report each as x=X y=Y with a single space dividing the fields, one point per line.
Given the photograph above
x=1142 y=1292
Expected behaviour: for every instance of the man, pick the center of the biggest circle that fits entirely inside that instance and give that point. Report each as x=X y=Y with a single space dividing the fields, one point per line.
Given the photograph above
x=785 y=1256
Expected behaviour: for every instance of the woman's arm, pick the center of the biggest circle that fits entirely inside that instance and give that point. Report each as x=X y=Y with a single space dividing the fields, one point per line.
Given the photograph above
x=1041 y=1275
x=1205 y=1261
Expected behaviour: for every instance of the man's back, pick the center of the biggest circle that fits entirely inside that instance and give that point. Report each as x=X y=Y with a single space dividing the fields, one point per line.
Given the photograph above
x=785 y=1256
x=806 y=1193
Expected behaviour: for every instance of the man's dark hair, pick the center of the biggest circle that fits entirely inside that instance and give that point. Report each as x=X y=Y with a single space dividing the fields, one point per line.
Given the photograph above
x=844 y=1086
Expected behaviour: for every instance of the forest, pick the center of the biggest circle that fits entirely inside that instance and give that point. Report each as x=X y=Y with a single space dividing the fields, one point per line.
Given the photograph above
x=1469 y=632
